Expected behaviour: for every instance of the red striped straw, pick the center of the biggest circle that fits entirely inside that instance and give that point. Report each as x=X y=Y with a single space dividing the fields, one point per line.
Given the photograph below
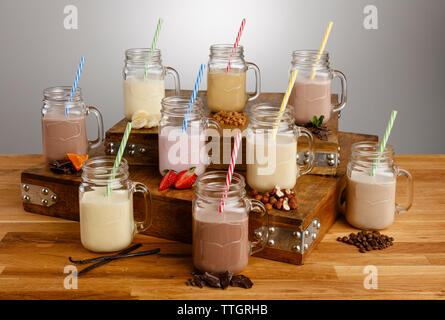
x=235 y=45
x=230 y=171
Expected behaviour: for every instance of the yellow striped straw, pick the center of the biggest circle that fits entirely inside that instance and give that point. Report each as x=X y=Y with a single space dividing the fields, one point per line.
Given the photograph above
x=285 y=100
x=323 y=45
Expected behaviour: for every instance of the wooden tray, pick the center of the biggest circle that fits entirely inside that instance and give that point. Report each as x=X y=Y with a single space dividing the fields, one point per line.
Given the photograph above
x=57 y=195
x=142 y=147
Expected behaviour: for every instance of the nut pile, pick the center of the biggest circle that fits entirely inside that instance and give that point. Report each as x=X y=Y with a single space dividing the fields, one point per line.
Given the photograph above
x=368 y=240
x=277 y=198
x=219 y=280
x=232 y=118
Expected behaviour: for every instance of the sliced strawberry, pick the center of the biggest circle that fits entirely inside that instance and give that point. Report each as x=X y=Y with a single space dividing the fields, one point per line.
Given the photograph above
x=167 y=180
x=185 y=179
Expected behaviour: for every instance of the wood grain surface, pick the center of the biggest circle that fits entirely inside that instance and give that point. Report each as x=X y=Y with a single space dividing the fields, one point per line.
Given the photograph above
x=34 y=251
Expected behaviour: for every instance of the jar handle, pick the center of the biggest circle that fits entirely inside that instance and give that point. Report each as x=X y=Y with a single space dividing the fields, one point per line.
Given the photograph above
x=257 y=92
x=307 y=167
x=261 y=234
x=343 y=96
x=143 y=225
x=404 y=208
x=175 y=74
x=100 y=128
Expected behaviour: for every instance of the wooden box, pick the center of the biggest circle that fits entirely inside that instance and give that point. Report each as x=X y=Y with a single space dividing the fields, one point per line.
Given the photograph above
x=142 y=147
x=294 y=233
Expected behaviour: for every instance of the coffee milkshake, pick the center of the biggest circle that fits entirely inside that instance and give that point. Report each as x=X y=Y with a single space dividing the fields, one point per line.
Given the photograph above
x=311 y=98
x=220 y=241
x=144 y=95
x=370 y=200
x=274 y=162
x=63 y=134
x=106 y=223
x=226 y=91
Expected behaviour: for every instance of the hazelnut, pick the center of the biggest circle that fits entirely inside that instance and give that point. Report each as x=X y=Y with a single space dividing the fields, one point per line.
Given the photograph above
x=267 y=194
x=293 y=203
x=279 y=194
x=274 y=190
x=273 y=200
x=268 y=206
x=279 y=204
x=254 y=192
x=286 y=205
x=265 y=199
x=258 y=197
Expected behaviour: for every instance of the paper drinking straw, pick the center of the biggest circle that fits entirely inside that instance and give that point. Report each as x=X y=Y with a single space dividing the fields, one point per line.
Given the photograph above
x=384 y=141
x=230 y=171
x=323 y=45
x=118 y=159
x=76 y=81
x=153 y=46
x=194 y=94
x=235 y=45
x=285 y=100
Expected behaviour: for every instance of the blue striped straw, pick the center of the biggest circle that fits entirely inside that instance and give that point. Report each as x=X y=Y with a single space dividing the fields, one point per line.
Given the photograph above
x=194 y=94
x=76 y=81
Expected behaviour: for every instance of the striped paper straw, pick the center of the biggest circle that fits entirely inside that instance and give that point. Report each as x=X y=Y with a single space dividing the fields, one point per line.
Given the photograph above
x=76 y=81
x=384 y=141
x=118 y=159
x=153 y=46
x=285 y=100
x=235 y=45
x=194 y=94
x=230 y=171
x=323 y=45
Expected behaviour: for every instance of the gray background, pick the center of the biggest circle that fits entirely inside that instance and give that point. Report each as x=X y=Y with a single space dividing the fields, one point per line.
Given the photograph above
x=398 y=66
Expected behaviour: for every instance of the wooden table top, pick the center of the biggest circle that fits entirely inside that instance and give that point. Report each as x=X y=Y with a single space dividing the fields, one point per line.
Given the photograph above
x=34 y=251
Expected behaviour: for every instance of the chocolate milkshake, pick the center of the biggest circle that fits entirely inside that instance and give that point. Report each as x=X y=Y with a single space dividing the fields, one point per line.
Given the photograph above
x=370 y=200
x=63 y=134
x=311 y=98
x=220 y=241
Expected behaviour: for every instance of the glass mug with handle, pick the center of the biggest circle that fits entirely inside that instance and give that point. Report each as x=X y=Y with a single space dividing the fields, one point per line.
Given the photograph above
x=226 y=89
x=106 y=222
x=273 y=160
x=311 y=94
x=221 y=240
x=369 y=201
x=64 y=124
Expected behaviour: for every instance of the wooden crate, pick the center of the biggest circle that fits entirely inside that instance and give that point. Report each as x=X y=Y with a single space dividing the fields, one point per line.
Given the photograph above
x=172 y=209
x=142 y=147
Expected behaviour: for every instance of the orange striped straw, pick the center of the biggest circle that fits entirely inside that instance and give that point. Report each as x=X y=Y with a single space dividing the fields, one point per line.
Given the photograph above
x=323 y=45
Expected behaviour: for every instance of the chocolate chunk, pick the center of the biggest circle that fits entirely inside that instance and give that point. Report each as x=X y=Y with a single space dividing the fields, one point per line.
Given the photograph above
x=241 y=281
x=211 y=280
x=225 y=279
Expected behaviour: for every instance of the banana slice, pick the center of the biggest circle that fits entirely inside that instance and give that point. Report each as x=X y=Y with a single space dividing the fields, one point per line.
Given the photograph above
x=139 y=119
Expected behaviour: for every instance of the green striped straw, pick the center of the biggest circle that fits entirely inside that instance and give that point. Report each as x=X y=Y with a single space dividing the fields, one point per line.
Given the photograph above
x=384 y=141
x=118 y=159
x=153 y=47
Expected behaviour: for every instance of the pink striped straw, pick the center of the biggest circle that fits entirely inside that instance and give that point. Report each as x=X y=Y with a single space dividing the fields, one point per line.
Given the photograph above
x=230 y=171
x=235 y=45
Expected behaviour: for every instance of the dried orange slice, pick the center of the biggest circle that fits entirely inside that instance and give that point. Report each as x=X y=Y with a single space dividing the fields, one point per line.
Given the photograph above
x=77 y=160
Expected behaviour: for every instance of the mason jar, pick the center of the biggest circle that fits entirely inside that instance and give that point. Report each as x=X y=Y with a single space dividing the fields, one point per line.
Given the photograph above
x=106 y=221
x=371 y=178
x=272 y=149
x=221 y=240
x=311 y=94
x=64 y=124
x=226 y=79
x=144 y=85
x=182 y=135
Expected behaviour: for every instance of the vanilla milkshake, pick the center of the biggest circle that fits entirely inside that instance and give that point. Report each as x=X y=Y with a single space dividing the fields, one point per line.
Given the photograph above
x=144 y=95
x=274 y=162
x=106 y=223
